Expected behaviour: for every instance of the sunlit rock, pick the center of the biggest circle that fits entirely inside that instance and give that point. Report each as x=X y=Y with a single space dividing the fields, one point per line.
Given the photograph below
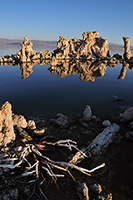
x=19 y=121
x=89 y=47
x=127 y=51
x=26 y=52
x=6 y=124
x=31 y=125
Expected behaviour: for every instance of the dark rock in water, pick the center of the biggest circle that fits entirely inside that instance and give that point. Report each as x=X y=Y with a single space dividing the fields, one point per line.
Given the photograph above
x=117 y=98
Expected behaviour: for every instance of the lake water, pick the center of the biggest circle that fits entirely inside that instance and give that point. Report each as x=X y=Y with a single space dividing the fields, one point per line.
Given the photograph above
x=34 y=90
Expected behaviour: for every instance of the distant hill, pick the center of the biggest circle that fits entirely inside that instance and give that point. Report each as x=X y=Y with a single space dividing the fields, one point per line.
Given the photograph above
x=4 y=41
x=41 y=43
x=113 y=46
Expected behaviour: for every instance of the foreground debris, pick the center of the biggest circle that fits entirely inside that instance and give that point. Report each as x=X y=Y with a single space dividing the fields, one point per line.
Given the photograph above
x=36 y=159
x=44 y=166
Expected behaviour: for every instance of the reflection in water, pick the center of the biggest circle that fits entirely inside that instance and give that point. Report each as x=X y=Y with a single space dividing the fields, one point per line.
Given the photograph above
x=26 y=69
x=123 y=71
x=88 y=70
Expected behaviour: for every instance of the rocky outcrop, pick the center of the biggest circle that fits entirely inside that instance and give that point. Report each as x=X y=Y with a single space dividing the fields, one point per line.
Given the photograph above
x=6 y=124
x=127 y=116
x=12 y=124
x=127 y=51
x=26 y=52
x=90 y=47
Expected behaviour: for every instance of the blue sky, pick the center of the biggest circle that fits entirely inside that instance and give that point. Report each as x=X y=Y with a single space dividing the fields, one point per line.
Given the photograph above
x=48 y=19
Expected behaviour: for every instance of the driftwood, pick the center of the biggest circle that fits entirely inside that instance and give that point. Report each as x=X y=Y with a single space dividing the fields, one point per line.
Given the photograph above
x=44 y=165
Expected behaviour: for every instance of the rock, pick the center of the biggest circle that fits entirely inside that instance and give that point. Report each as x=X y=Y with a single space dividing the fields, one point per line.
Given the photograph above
x=127 y=51
x=103 y=140
x=131 y=125
x=106 y=123
x=6 y=124
x=31 y=125
x=62 y=120
x=127 y=115
x=117 y=56
x=105 y=196
x=45 y=54
x=88 y=48
x=19 y=121
x=9 y=194
x=130 y=60
x=26 y=52
x=24 y=135
x=39 y=132
x=82 y=190
x=129 y=135
x=87 y=114
x=112 y=60
x=96 y=188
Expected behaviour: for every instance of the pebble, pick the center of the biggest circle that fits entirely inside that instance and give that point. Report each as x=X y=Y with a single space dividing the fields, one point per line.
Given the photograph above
x=106 y=123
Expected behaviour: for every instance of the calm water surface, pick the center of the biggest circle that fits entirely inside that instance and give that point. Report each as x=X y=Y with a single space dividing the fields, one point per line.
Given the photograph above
x=41 y=93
